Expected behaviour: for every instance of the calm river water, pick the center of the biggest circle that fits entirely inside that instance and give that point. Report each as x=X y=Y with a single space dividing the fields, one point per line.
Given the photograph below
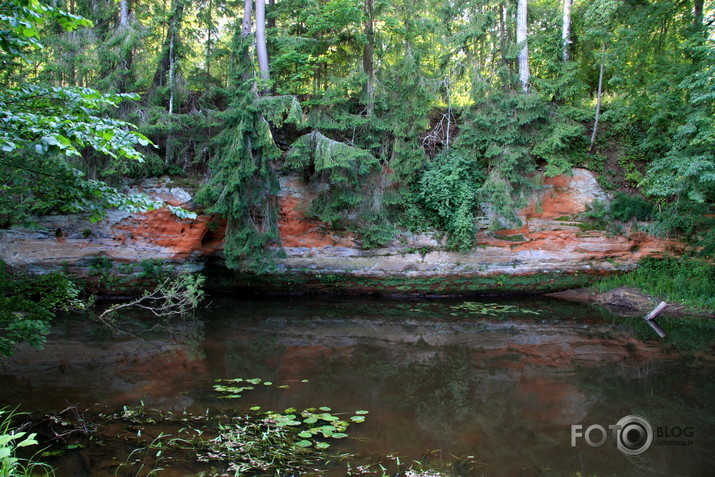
x=499 y=380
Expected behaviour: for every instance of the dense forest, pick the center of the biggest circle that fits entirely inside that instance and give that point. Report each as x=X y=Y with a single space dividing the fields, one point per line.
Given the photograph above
x=402 y=117
x=400 y=114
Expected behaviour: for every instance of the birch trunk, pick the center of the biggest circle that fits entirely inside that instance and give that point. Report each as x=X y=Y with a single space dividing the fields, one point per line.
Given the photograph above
x=261 y=49
x=124 y=13
x=368 y=57
x=566 y=31
x=522 y=39
x=598 y=96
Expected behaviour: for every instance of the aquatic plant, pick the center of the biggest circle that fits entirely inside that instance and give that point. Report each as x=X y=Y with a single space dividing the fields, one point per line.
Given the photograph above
x=489 y=309
x=10 y=441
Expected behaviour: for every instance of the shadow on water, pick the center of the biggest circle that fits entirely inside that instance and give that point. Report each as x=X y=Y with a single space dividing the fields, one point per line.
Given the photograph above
x=500 y=380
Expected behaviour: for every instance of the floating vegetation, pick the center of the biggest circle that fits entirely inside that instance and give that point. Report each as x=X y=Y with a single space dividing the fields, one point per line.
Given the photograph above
x=235 y=387
x=489 y=309
x=253 y=441
x=311 y=425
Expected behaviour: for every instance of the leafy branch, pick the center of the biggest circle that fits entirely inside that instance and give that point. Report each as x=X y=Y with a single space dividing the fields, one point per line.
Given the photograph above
x=175 y=297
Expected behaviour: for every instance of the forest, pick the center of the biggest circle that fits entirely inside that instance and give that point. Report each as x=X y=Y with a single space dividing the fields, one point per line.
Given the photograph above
x=400 y=114
x=436 y=116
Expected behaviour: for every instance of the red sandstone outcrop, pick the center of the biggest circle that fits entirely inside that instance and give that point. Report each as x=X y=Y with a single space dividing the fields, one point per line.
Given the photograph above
x=549 y=240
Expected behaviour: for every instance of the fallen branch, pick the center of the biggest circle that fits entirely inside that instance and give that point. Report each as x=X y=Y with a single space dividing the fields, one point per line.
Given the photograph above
x=175 y=297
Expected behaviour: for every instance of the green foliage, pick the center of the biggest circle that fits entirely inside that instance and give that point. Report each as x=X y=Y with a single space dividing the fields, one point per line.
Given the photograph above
x=10 y=441
x=44 y=126
x=500 y=131
x=19 y=33
x=48 y=120
x=626 y=207
x=28 y=303
x=690 y=281
x=281 y=109
x=338 y=172
x=243 y=184
x=448 y=194
x=386 y=88
x=623 y=208
x=692 y=220
x=43 y=185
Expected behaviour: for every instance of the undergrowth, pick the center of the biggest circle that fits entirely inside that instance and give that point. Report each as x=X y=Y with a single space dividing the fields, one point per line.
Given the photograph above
x=690 y=281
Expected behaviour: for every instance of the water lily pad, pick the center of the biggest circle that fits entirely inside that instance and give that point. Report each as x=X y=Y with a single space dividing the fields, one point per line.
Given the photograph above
x=328 y=417
x=322 y=445
x=357 y=419
x=303 y=443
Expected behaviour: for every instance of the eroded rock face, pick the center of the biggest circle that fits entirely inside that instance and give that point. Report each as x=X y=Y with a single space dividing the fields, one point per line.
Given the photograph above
x=549 y=251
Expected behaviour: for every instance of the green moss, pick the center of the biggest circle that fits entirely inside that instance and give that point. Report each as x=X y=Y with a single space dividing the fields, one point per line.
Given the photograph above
x=513 y=238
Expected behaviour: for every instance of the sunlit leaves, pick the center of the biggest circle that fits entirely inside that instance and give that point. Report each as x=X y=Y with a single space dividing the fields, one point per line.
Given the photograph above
x=65 y=120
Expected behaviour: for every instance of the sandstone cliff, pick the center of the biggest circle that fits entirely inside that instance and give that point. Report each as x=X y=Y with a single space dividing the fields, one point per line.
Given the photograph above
x=550 y=250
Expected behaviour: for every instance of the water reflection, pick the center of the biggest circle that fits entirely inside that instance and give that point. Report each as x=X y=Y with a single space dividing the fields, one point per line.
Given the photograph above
x=504 y=389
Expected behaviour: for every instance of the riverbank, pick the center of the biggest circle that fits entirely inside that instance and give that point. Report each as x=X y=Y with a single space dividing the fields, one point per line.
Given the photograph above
x=628 y=302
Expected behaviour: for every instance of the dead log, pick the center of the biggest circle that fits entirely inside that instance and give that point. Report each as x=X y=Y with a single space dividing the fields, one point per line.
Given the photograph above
x=650 y=317
x=656 y=311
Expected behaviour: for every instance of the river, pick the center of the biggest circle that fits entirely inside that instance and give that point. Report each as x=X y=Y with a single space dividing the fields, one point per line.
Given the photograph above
x=488 y=386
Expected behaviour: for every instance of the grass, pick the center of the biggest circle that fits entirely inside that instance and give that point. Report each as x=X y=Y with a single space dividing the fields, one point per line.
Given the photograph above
x=689 y=281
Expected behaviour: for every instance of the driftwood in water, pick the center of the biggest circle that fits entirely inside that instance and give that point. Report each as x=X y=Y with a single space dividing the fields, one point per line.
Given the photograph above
x=651 y=316
x=656 y=311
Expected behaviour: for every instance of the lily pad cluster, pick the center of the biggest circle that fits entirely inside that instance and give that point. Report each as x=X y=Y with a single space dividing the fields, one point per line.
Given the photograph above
x=314 y=425
x=489 y=309
x=311 y=426
x=235 y=387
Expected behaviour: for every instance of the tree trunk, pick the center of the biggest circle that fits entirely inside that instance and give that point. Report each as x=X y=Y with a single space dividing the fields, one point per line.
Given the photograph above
x=261 y=49
x=698 y=13
x=522 y=39
x=243 y=53
x=271 y=20
x=368 y=53
x=124 y=13
x=127 y=57
x=172 y=73
x=566 y=31
x=598 y=97
x=170 y=43
x=502 y=32
x=209 y=27
x=247 y=13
